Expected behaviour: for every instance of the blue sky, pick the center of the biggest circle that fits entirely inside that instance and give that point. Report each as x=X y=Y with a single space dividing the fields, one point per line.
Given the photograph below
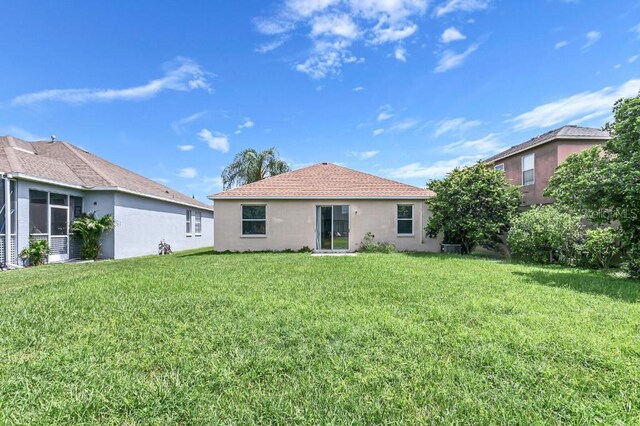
x=405 y=89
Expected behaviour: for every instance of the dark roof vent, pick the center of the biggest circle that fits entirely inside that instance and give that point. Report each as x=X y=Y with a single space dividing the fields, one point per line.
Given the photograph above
x=53 y=138
x=324 y=164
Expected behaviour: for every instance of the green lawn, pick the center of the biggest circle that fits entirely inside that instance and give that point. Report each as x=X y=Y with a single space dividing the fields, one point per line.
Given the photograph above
x=290 y=338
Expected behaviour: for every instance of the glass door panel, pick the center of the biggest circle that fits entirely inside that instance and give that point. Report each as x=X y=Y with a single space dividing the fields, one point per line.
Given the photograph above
x=325 y=228
x=340 y=227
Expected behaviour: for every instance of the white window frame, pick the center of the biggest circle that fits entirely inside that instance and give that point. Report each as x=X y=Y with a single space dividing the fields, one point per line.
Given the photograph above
x=188 y=216
x=197 y=223
x=499 y=167
x=398 y=219
x=532 y=169
x=242 y=220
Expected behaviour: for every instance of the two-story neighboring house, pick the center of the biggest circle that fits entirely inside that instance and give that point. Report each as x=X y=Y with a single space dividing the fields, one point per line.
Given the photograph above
x=531 y=164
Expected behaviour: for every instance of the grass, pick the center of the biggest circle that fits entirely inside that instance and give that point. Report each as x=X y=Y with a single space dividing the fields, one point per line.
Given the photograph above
x=289 y=338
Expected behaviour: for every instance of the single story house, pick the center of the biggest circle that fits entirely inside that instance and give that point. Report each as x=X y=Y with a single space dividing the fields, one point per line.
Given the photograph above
x=324 y=207
x=531 y=164
x=44 y=186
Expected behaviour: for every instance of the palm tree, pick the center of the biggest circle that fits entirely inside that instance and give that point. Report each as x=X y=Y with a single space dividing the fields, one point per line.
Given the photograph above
x=90 y=229
x=251 y=166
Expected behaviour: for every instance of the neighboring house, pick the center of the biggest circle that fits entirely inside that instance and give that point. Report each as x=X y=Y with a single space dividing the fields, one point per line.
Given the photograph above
x=324 y=207
x=531 y=164
x=46 y=185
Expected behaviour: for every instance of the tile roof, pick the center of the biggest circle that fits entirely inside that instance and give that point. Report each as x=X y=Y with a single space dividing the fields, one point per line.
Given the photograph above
x=325 y=180
x=566 y=132
x=67 y=164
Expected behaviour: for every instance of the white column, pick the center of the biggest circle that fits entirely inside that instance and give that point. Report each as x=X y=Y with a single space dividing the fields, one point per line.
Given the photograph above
x=7 y=220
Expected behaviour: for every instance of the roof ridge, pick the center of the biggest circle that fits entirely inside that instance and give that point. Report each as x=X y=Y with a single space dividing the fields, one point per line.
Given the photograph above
x=74 y=149
x=14 y=163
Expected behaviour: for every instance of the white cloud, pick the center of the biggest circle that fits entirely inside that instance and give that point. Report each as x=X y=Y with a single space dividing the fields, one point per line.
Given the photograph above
x=636 y=29
x=617 y=66
x=178 y=125
x=392 y=34
x=20 y=133
x=450 y=59
x=452 y=34
x=406 y=124
x=363 y=155
x=561 y=44
x=633 y=59
x=592 y=38
x=334 y=25
x=215 y=140
x=188 y=173
x=272 y=45
x=451 y=6
x=182 y=75
x=358 y=89
x=433 y=170
x=337 y=25
x=248 y=123
x=378 y=132
x=580 y=107
x=161 y=180
x=455 y=125
x=327 y=59
x=186 y=147
x=400 y=54
x=486 y=145
x=212 y=183
x=384 y=113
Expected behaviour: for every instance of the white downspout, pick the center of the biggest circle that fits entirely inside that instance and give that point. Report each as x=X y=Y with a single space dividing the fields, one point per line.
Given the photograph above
x=7 y=220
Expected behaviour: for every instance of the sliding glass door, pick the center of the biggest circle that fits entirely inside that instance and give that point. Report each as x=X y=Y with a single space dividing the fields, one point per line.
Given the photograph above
x=332 y=228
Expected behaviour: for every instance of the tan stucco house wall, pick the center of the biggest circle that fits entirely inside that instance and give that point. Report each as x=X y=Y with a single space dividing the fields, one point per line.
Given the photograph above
x=291 y=224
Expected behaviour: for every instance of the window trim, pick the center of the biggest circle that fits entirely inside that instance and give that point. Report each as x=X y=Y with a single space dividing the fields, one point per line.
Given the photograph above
x=242 y=220
x=412 y=219
x=197 y=223
x=499 y=167
x=522 y=170
x=188 y=217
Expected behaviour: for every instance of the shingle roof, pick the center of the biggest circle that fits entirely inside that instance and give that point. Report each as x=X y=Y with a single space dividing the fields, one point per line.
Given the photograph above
x=566 y=132
x=65 y=163
x=325 y=180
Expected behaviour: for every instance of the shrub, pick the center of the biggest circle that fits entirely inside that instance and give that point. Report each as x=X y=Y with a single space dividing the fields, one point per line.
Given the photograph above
x=90 y=228
x=472 y=206
x=371 y=246
x=544 y=234
x=36 y=253
x=601 y=246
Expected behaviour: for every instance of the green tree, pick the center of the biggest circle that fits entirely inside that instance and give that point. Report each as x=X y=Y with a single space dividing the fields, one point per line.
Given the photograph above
x=544 y=234
x=91 y=228
x=472 y=206
x=604 y=183
x=251 y=166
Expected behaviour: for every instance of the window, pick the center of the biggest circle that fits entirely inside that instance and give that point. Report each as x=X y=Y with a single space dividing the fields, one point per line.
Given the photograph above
x=405 y=219
x=528 y=171
x=76 y=207
x=38 y=212
x=254 y=220
x=58 y=199
x=499 y=167
x=198 y=223
x=188 y=221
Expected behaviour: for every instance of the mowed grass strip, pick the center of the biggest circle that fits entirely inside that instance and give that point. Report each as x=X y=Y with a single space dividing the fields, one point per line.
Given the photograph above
x=290 y=338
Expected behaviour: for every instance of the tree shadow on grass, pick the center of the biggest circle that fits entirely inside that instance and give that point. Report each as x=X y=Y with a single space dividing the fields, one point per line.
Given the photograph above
x=590 y=282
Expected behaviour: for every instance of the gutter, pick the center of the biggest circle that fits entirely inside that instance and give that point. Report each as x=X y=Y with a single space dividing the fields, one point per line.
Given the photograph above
x=311 y=198
x=106 y=188
x=586 y=138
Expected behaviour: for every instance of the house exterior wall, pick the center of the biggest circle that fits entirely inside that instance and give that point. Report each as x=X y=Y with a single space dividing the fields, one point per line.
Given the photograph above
x=142 y=222
x=23 y=188
x=291 y=224
x=547 y=158
x=102 y=203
